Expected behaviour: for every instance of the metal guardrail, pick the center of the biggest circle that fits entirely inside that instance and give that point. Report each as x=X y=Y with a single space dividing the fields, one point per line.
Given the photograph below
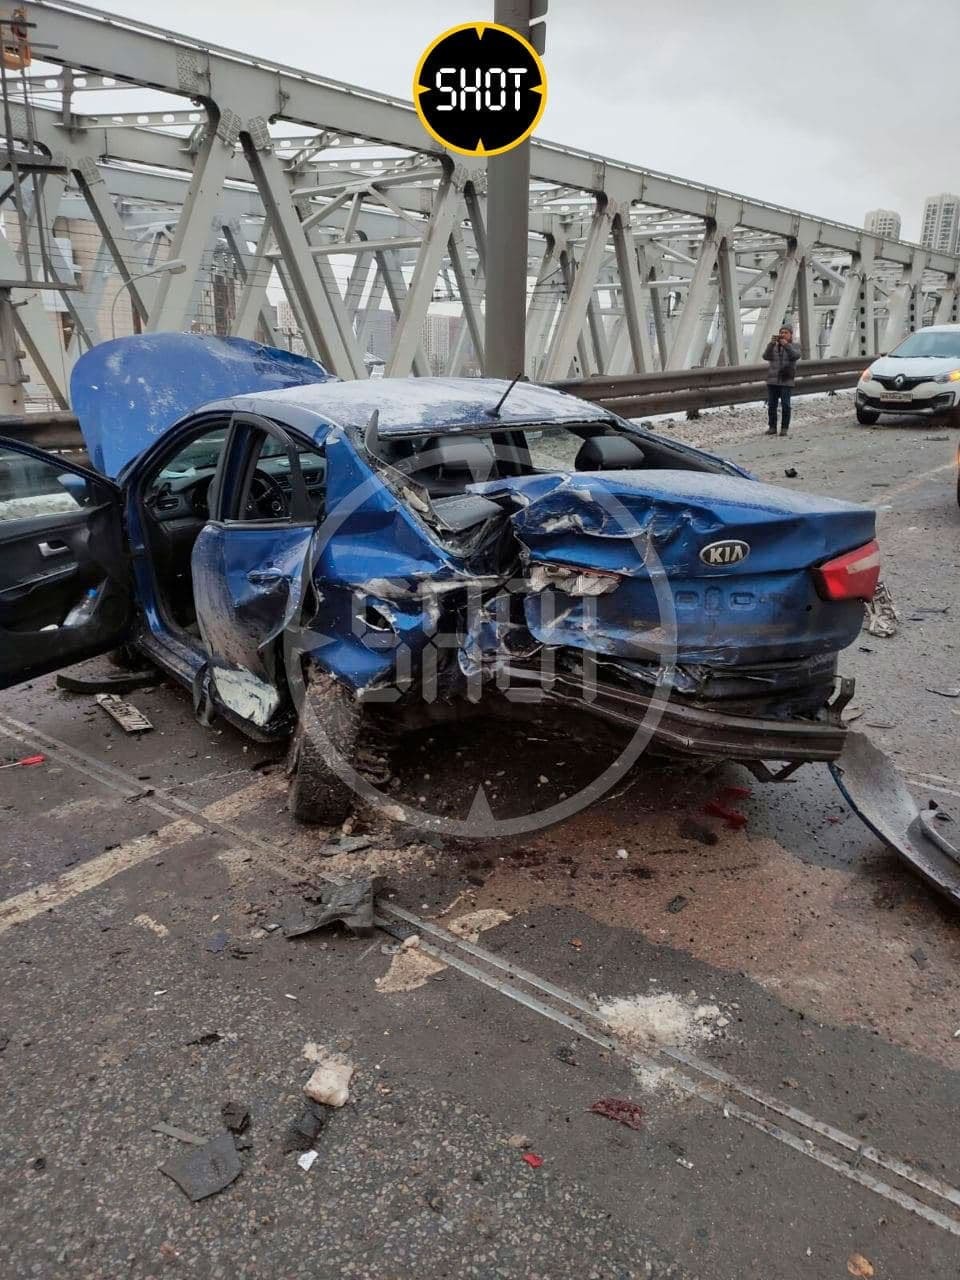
x=644 y=394
x=632 y=396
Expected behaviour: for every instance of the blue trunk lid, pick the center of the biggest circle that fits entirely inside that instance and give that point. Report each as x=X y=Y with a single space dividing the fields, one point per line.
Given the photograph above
x=762 y=608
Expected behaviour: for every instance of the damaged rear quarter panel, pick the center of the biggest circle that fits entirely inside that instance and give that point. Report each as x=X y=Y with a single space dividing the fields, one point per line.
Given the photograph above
x=763 y=609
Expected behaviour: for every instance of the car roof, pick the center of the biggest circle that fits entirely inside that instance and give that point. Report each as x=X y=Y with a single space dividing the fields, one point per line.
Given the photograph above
x=415 y=406
x=937 y=328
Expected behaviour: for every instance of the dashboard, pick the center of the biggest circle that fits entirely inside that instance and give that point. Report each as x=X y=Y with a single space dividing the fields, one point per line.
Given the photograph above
x=185 y=495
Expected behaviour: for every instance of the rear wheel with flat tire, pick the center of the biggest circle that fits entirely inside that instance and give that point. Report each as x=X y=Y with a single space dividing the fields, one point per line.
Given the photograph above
x=867 y=417
x=328 y=727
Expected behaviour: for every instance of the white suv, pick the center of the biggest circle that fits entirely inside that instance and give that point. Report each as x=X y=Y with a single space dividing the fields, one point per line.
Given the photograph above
x=922 y=375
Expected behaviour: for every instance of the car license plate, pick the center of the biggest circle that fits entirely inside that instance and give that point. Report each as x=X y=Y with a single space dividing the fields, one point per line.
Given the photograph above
x=896 y=397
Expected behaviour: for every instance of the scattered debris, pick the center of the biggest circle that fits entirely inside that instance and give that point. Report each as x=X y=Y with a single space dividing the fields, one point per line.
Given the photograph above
x=218 y=942
x=622 y=855
x=735 y=793
x=851 y=714
x=663 y=1019
x=534 y=1161
x=206 y=1038
x=26 y=762
x=621 y=1110
x=182 y=1135
x=676 y=905
x=410 y=968
x=330 y=1082
x=690 y=829
x=306 y=1161
x=433 y=1199
x=952 y=692
x=858 y=1265
x=148 y=922
x=471 y=925
x=4 y=1041
x=880 y=614
x=520 y=1140
x=352 y=903
x=125 y=714
x=302 y=1133
x=206 y=1170
x=110 y=682
x=919 y=958
x=235 y=1116
x=791 y=473
x=567 y=1053
x=685 y=1164
x=736 y=821
x=345 y=844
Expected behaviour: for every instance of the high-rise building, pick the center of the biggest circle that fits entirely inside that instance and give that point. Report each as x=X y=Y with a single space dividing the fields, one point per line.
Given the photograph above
x=940 y=229
x=883 y=222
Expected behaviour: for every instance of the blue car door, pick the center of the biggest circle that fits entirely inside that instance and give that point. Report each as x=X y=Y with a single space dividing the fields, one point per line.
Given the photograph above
x=248 y=565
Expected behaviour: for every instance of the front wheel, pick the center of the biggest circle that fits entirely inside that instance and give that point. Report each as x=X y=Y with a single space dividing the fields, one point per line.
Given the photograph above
x=867 y=417
x=328 y=727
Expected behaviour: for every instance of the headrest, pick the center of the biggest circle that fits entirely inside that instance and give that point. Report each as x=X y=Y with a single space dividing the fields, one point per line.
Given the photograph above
x=609 y=453
x=465 y=455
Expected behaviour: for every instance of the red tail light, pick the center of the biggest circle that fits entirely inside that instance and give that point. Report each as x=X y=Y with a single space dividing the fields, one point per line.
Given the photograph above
x=852 y=576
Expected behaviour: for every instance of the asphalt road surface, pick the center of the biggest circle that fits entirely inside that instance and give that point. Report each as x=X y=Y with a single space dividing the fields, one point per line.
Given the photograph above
x=782 y=1005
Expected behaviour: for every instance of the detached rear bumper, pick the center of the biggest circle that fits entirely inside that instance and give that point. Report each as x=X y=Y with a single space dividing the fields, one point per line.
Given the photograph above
x=689 y=729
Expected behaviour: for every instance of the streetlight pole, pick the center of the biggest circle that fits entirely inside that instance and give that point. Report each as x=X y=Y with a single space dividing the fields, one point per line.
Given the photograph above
x=172 y=266
x=508 y=220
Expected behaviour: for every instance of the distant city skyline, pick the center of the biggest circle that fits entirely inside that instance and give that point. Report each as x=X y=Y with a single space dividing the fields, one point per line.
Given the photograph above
x=940 y=226
x=883 y=222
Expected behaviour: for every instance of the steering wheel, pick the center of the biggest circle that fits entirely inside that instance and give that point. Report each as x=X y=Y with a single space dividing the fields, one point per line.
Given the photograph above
x=266 y=499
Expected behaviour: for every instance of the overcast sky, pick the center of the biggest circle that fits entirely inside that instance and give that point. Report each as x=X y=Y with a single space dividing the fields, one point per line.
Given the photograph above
x=829 y=106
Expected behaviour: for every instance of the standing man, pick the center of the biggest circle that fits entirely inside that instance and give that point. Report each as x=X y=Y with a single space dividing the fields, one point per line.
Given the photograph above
x=782 y=354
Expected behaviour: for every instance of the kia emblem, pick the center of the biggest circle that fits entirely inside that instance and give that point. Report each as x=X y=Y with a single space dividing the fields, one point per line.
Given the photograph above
x=731 y=551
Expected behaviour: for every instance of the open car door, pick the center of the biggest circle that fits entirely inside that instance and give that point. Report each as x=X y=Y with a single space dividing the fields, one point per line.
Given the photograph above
x=64 y=579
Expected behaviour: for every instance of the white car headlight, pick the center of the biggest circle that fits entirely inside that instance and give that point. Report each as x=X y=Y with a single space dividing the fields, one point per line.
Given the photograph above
x=952 y=376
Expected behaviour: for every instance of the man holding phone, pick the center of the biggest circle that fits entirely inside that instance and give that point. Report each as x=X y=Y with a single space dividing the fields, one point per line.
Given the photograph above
x=782 y=354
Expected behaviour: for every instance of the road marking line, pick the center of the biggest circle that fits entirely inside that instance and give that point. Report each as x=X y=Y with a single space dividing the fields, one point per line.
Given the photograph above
x=915 y=481
x=931 y=786
x=33 y=902
x=279 y=862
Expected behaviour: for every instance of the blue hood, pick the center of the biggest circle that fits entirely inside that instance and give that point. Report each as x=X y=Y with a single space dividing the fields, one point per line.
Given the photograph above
x=128 y=392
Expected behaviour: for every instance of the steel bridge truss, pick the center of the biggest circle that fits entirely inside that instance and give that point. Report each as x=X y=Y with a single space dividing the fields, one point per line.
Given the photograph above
x=338 y=197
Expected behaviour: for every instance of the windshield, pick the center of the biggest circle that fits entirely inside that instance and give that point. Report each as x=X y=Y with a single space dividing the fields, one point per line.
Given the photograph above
x=930 y=342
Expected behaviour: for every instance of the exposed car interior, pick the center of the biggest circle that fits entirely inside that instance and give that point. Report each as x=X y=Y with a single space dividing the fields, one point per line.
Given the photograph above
x=178 y=496
x=446 y=464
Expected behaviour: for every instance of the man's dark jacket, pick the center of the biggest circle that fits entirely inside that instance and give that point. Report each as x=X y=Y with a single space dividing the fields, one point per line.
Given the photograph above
x=782 y=363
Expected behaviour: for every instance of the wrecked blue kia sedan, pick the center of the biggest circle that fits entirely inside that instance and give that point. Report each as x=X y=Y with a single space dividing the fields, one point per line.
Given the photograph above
x=407 y=549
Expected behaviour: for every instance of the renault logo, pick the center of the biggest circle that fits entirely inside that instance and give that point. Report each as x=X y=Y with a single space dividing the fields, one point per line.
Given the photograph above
x=730 y=552
x=898 y=380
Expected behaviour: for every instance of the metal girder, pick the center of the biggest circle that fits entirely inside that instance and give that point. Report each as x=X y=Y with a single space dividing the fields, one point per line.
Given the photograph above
x=700 y=290
x=902 y=305
x=175 y=292
x=300 y=276
x=568 y=335
x=704 y=244
x=730 y=324
x=181 y=66
x=415 y=304
x=634 y=298
x=396 y=289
